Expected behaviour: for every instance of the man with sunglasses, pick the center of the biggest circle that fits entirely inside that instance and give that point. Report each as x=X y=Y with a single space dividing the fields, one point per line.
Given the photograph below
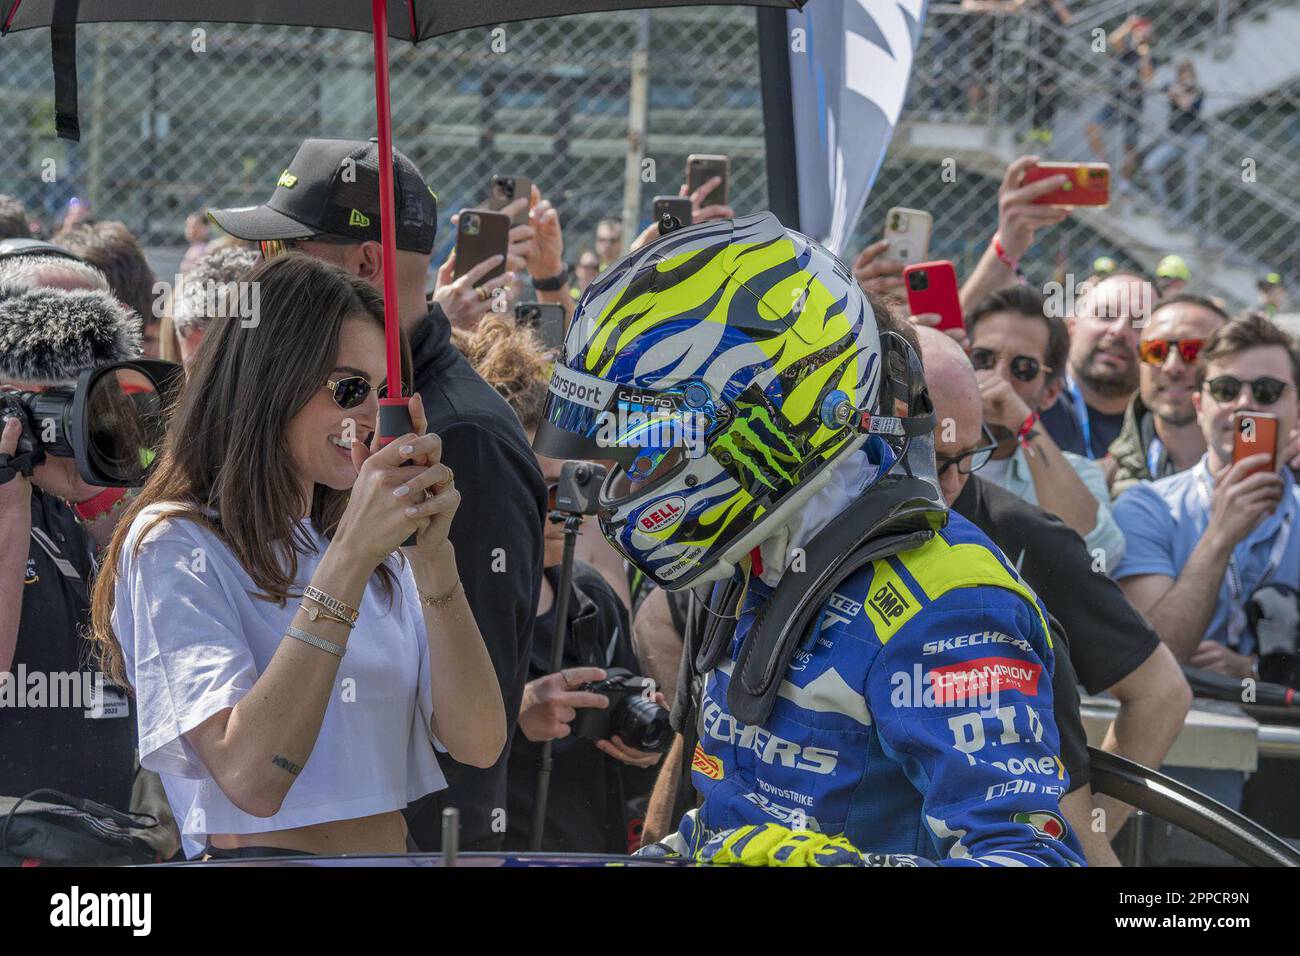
x=1160 y=436
x=1109 y=647
x=1202 y=541
x=1018 y=351
x=326 y=204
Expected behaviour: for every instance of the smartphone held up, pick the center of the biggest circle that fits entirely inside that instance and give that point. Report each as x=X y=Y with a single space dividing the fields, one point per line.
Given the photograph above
x=932 y=288
x=1087 y=184
x=1254 y=433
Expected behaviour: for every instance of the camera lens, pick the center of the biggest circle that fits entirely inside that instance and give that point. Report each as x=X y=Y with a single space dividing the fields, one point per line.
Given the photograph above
x=641 y=723
x=918 y=281
x=471 y=224
x=126 y=424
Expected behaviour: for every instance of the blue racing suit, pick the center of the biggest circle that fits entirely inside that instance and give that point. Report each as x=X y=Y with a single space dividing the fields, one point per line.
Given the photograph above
x=915 y=718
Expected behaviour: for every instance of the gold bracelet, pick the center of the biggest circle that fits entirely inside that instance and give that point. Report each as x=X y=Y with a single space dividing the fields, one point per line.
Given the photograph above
x=331 y=603
x=431 y=601
x=314 y=613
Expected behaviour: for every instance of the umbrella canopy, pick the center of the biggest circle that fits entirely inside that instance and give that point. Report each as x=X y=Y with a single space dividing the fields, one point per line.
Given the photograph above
x=412 y=20
x=407 y=19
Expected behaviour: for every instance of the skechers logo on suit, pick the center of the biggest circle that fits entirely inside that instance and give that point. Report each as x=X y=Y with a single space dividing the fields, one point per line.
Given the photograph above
x=767 y=746
x=975 y=640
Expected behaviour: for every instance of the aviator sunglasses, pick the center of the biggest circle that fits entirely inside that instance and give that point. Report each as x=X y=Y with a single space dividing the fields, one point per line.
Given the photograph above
x=351 y=391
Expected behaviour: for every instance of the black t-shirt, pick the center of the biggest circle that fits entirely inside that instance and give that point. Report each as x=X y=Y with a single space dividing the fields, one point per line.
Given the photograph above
x=60 y=739
x=588 y=790
x=1186 y=121
x=497 y=537
x=1062 y=423
x=1108 y=638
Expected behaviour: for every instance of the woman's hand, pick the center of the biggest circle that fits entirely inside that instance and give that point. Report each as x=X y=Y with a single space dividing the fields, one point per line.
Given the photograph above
x=388 y=500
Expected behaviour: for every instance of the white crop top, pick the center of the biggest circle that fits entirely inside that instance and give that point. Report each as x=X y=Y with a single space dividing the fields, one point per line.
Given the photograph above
x=195 y=638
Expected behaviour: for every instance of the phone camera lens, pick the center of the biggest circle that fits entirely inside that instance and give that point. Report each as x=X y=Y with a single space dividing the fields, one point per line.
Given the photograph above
x=472 y=225
x=918 y=281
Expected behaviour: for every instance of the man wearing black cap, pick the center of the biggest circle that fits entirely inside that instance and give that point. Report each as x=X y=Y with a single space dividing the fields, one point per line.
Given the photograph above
x=326 y=203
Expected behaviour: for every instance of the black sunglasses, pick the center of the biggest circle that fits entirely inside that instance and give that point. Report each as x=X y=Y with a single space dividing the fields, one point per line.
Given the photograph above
x=971 y=460
x=351 y=391
x=1023 y=367
x=1226 y=388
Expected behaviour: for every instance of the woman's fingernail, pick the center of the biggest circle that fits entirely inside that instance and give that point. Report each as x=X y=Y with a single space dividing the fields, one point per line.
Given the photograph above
x=406 y=449
x=412 y=510
x=399 y=492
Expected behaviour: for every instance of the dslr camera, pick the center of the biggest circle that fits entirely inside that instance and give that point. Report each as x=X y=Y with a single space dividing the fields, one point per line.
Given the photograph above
x=632 y=712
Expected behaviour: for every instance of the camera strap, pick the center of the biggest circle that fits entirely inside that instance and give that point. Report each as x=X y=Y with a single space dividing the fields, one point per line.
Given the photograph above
x=11 y=466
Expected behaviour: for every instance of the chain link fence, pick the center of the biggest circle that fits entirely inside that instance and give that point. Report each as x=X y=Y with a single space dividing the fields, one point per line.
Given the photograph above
x=179 y=117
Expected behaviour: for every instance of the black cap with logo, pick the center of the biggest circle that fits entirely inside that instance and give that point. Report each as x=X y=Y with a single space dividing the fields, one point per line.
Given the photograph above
x=332 y=188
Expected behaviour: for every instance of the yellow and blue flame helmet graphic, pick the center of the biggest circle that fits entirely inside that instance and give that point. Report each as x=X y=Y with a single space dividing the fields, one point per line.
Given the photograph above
x=720 y=369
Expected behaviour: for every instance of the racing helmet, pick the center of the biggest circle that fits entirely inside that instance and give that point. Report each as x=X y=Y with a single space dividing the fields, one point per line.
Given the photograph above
x=721 y=370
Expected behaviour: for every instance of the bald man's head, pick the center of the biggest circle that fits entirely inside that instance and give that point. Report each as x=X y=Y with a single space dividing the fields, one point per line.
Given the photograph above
x=957 y=405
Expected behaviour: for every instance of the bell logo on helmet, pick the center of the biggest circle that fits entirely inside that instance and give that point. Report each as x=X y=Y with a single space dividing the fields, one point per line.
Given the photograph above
x=663 y=515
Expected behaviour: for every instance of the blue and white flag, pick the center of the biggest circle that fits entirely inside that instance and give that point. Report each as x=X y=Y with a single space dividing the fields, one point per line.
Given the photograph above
x=844 y=77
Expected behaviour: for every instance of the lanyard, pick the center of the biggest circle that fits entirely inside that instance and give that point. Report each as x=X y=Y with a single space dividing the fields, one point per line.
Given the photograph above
x=1154 y=450
x=1237 y=604
x=1081 y=413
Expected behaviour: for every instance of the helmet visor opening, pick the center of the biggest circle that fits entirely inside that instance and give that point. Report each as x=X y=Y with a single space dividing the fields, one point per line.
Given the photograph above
x=647 y=469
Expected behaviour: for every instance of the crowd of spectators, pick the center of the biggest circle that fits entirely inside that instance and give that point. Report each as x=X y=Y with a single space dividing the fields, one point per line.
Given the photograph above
x=1095 y=448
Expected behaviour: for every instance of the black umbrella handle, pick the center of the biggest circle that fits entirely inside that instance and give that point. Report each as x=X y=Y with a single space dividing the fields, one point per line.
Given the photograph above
x=394 y=422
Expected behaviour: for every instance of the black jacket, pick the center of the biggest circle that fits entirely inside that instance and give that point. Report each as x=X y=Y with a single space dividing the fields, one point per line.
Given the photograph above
x=75 y=747
x=497 y=536
x=586 y=803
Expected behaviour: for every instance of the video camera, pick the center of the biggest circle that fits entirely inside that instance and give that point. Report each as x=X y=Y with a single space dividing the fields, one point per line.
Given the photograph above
x=112 y=417
x=112 y=421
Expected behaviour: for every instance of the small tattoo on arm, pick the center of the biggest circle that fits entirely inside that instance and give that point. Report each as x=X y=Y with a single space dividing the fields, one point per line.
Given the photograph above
x=285 y=764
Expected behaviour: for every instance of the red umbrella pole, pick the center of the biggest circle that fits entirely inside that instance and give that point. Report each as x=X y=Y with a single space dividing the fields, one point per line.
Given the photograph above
x=388 y=227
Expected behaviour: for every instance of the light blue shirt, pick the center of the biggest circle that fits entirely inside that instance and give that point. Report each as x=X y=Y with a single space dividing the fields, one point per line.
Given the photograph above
x=1164 y=520
x=1105 y=535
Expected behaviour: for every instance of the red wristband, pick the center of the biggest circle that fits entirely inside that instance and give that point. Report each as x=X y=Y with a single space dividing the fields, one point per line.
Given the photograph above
x=1001 y=253
x=1026 y=430
x=101 y=504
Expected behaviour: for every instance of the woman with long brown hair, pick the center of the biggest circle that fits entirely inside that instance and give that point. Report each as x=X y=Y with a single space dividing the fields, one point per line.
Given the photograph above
x=292 y=672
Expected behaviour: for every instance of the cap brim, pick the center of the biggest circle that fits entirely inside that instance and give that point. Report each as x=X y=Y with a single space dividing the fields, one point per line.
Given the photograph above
x=256 y=223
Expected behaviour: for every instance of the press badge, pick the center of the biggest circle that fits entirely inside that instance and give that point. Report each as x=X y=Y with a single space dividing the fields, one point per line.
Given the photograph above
x=107 y=702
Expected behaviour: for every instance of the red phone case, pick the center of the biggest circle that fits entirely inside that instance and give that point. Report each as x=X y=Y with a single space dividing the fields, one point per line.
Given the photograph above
x=1263 y=440
x=1089 y=184
x=939 y=294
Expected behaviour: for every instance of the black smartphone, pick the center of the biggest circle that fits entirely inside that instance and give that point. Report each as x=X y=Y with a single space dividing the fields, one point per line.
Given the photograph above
x=700 y=168
x=679 y=207
x=545 y=318
x=480 y=235
x=503 y=190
